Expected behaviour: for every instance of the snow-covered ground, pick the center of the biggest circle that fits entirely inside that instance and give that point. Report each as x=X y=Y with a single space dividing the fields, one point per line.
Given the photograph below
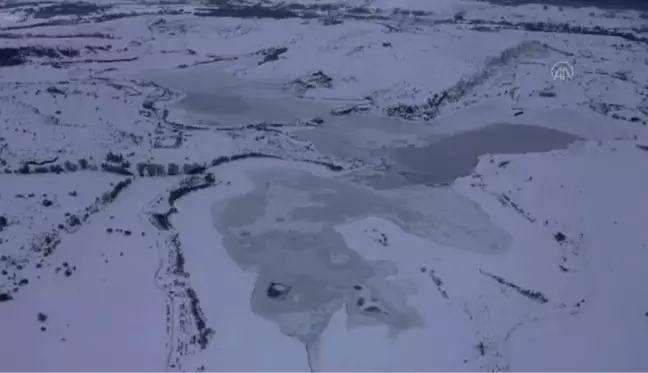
x=322 y=185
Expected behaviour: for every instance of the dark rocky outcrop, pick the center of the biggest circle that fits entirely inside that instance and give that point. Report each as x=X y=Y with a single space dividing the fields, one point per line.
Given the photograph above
x=317 y=79
x=271 y=54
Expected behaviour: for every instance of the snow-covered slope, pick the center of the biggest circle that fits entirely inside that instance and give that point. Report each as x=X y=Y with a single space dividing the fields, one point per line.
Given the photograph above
x=220 y=186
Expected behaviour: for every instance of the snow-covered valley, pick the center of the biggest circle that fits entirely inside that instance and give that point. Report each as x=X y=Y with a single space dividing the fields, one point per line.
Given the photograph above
x=322 y=186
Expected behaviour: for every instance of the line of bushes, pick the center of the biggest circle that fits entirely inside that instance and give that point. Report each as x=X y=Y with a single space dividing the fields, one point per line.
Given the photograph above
x=117 y=164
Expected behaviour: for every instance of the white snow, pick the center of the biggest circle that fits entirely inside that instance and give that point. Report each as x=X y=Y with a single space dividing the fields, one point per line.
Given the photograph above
x=533 y=262
x=582 y=191
x=107 y=313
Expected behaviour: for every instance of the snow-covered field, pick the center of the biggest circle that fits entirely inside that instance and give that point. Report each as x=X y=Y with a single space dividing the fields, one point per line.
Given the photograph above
x=322 y=186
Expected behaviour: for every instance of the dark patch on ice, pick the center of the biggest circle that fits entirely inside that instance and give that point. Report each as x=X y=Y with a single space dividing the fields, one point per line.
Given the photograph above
x=276 y=290
x=4 y=297
x=533 y=295
x=375 y=309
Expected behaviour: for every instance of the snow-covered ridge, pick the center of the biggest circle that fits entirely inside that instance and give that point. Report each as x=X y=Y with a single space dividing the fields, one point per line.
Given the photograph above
x=393 y=37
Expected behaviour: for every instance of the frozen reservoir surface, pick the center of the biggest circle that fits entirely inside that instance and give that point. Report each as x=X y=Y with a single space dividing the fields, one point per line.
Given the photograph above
x=406 y=152
x=213 y=97
x=285 y=229
x=300 y=233
x=444 y=160
x=312 y=277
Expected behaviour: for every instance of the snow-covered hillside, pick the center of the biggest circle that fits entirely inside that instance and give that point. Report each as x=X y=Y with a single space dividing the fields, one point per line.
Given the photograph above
x=322 y=186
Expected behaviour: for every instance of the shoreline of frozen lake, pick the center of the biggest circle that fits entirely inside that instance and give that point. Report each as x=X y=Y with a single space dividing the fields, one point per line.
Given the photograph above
x=396 y=153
